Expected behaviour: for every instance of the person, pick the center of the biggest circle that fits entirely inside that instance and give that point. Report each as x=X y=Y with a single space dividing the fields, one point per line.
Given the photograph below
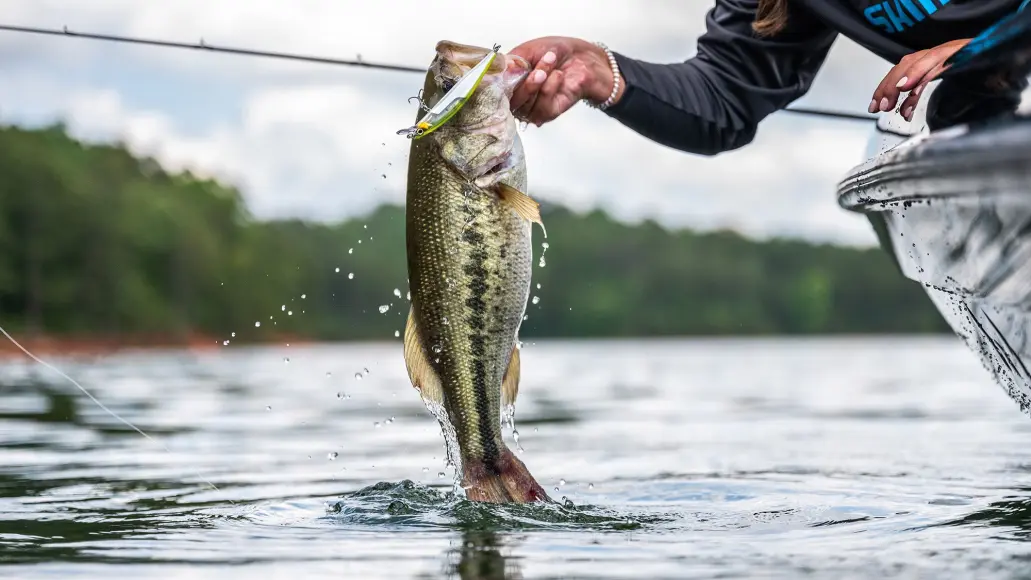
x=755 y=58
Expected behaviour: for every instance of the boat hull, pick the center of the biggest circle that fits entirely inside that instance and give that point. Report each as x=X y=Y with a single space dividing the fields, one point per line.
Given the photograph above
x=952 y=205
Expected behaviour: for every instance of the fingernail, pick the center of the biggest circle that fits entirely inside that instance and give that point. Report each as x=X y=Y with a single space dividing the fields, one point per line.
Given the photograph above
x=885 y=104
x=873 y=106
x=919 y=90
x=538 y=76
x=548 y=58
x=902 y=81
x=908 y=113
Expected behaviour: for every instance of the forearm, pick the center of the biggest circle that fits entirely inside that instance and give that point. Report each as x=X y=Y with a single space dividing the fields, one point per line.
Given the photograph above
x=679 y=106
x=714 y=101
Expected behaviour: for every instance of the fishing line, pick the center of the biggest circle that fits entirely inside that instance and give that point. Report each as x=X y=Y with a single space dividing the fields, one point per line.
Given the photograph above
x=97 y=401
x=202 y=45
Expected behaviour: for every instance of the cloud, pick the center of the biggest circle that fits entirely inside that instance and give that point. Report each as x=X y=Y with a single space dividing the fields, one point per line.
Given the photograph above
x=316 y=141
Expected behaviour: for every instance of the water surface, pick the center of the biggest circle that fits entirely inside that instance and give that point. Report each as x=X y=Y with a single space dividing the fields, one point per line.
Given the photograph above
x=830 y=458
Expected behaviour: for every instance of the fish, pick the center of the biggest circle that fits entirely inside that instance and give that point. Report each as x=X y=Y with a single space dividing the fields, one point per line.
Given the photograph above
x=468 y=233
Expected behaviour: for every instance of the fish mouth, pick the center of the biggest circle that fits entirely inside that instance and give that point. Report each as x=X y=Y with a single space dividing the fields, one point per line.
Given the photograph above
x=466 y=55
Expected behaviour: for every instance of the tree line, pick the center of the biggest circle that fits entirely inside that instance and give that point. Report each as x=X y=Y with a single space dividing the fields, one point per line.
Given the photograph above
x=95 y=241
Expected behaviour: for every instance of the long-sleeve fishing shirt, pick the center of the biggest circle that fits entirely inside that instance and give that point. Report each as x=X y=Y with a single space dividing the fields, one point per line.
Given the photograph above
x=714 y=101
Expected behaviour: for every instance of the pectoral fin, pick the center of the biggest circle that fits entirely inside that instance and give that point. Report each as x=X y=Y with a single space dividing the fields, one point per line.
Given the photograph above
x=524 y=205
x=422 y=375
x=510 y=384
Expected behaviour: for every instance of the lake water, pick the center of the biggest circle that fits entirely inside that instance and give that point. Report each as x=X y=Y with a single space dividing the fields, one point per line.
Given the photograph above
x=828 y=458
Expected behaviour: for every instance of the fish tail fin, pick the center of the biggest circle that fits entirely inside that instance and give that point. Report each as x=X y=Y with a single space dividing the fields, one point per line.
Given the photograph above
x=507 y=481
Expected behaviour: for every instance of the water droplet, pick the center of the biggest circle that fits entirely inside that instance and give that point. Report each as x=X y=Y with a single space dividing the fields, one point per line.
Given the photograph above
x=440 y=474
x=233 y=335
x=337 y=270
x=282 y=308
x=542 y=263
x=358 y=376
x=561 y=482
x=536 y=299
x=289 y=312
x=437 y=349
x=366 y=226
x=384 y=308
x=397 y=292
x=365 y=370
x=268 y=407
x=377 y=424
x=408 y=295
x=225 y=343
x=303 y=296
x=590 y=486
x=545 y=245
x=350 y=276
x=383 y=175
x=534 y=429
x=286 y=360
x=397 y=333
x=538 y=285
x=556 y=488
x=425 y=469
x=340 y=395
x=350 y=250
x=257 y=324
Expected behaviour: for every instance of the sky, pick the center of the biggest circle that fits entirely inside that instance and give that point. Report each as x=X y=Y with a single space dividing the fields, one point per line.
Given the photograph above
x=318 y=142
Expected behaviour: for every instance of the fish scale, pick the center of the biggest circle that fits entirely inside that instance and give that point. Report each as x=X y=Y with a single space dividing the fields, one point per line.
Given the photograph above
x=468 y=236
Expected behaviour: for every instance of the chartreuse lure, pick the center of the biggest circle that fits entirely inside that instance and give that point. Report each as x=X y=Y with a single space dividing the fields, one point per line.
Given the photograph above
x=453 y=100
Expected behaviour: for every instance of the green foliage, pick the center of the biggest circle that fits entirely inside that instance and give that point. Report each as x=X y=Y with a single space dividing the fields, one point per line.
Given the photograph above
x=96 y=241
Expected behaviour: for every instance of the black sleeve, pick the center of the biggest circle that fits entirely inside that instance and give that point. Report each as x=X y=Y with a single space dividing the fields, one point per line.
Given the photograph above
x=714 y=101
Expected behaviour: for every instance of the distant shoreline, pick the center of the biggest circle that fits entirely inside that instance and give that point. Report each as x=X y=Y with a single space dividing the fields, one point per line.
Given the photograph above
x=97 y=345
x=44 y=345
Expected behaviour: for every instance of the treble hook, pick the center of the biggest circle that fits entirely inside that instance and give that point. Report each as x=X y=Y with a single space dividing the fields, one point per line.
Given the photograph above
x=418 y=97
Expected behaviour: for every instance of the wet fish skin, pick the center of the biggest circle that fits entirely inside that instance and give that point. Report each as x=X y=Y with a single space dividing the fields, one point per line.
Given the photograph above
x=468 y=237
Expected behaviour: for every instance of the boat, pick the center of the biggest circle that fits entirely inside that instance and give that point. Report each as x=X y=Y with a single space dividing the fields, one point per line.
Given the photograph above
x=949 y=197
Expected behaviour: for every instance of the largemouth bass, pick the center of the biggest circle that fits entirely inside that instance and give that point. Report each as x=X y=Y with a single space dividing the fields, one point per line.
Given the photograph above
x=468 y=233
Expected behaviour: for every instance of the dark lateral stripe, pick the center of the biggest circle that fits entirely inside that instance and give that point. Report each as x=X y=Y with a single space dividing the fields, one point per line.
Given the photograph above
x=477 y=288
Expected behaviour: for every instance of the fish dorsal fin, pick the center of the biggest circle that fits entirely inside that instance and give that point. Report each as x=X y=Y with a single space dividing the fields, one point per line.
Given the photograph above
x=422 y=375
x=510 y=384
x=522 y=204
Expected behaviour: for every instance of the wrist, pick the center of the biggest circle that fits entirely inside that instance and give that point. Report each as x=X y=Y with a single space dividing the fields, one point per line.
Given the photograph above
x=603 y=77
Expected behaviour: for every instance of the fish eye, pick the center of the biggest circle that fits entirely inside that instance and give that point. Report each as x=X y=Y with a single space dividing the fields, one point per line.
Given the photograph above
x=447 y=85
x=420 y=131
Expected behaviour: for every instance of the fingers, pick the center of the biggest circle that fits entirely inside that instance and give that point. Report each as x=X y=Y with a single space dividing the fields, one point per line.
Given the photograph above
x=910 y=103
x=912 y=72
x=886 y=93
x=547 y=107
x=526 y=93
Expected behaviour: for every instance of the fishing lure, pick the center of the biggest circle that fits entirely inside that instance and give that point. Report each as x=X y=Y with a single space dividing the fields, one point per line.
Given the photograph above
x=453 y=100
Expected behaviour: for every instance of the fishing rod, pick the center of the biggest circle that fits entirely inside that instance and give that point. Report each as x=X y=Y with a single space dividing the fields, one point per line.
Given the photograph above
x=204 y=46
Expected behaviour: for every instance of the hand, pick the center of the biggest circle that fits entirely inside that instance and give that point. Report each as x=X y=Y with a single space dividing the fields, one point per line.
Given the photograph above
x=912 y=74
x=565 y=70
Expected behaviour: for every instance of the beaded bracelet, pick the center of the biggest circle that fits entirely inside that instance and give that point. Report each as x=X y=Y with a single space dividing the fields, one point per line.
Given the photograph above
x=616 y=78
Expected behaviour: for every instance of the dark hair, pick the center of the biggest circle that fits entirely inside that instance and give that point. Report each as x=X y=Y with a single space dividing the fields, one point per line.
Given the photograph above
x=771 y=17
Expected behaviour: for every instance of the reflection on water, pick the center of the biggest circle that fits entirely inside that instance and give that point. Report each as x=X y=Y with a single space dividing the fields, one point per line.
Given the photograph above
x=667 y=459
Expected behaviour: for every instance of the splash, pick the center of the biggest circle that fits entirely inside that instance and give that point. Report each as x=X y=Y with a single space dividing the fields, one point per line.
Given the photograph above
x=454 y=458
x=406 y=503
